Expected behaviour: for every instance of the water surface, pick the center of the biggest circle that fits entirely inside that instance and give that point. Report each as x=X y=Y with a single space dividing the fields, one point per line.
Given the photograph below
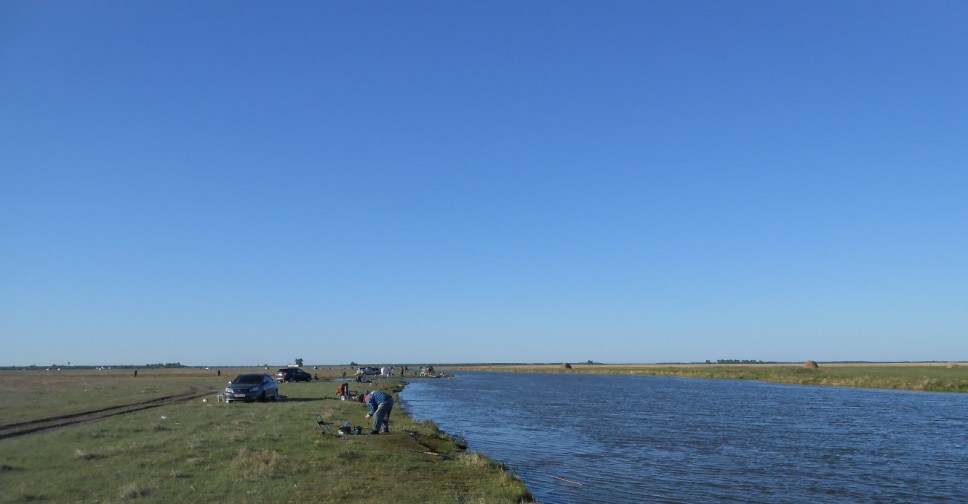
x=668 y=439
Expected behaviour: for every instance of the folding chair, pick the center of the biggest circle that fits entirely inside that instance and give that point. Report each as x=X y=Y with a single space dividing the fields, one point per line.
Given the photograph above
x=321 y=425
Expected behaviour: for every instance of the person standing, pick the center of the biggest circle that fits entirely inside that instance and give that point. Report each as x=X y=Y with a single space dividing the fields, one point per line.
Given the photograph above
x=380 y=404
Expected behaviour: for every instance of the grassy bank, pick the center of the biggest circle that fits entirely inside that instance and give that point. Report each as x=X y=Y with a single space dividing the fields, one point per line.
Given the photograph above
x=207 y=451
x=935 y=377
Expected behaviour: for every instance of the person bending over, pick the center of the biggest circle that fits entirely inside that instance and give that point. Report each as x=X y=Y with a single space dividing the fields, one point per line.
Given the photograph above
x=381 y=404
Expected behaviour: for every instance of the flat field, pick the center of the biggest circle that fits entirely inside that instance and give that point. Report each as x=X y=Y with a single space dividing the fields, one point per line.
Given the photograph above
x=934 y=377
x=107 y=436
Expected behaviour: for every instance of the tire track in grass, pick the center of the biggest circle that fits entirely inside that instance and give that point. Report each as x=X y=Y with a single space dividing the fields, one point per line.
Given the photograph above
x=53 y=422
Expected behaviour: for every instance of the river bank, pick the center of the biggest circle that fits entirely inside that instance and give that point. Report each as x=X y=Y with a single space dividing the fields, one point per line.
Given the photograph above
x=930 y=377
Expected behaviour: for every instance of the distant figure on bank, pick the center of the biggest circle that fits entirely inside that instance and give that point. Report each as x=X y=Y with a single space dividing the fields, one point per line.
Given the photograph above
x=135 y=373
x=219 y=371
x=380 y=404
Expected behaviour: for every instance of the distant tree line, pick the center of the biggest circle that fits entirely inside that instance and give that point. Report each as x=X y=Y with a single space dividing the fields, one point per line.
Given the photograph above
x=165 y=365
x=159 y=365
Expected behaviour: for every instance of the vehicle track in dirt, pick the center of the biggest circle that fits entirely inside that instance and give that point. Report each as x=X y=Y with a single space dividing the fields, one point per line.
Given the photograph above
x=53 y=422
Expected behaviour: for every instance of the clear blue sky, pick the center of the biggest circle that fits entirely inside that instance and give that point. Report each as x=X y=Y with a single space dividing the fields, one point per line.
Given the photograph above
x=624 y=181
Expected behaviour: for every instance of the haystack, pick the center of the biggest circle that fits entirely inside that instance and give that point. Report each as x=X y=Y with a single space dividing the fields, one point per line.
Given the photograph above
x=566 y=365
x=810 y=364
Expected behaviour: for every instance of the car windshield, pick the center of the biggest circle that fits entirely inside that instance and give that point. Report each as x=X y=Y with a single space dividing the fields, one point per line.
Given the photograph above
x=248 y=378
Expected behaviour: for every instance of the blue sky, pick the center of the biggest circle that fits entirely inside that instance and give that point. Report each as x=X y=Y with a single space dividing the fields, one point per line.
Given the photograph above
x=244 y=183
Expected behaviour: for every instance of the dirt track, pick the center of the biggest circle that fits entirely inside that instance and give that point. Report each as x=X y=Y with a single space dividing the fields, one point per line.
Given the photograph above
x=42 y=424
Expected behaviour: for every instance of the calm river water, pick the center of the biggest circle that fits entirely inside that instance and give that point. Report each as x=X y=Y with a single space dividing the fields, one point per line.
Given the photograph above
x=666 y=439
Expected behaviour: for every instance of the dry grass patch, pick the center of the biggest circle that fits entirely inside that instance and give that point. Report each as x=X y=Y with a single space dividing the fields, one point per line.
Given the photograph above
x=349 y=455
x=177 y=474
x=258 y=465
x=133 y=491
x=83 y=455
x=474 y=459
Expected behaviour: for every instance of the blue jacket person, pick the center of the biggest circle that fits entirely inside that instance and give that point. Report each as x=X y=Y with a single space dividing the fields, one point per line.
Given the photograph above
x=381 y=404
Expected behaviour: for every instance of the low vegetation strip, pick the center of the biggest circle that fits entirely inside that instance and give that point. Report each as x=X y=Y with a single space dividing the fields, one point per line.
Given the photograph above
x=932 y=377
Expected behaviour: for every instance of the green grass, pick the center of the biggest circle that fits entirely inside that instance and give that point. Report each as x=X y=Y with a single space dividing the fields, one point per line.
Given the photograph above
x=925 y=377
x=199 y=451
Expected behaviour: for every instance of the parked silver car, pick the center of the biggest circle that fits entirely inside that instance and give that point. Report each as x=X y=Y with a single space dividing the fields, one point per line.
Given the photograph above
x=252 y=386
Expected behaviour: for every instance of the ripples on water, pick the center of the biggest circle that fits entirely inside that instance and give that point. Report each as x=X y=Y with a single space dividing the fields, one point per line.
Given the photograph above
x=667 y=439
